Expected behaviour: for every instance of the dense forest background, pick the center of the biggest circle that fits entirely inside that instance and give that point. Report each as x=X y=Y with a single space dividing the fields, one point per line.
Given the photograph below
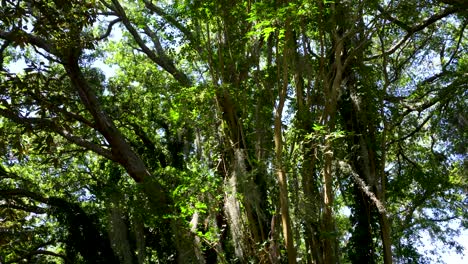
x=229 y=131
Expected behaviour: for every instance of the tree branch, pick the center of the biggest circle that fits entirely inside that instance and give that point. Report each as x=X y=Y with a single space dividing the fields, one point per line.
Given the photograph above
x=26 y=208
x=412 y=30
x=412 y=133
x=24 y=193
x=16 y=35
x=87 y=145
x=165 y=63
x=465 y=23
x=159 y=11
x=50 y=125
x=67 y=114
x=346 y=168
x=2 y=49
x=109 y=29
x=393 y=20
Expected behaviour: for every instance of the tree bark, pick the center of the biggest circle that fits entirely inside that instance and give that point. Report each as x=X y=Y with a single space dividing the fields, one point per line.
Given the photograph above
x=118 y=230
x=121 y=149
x=329 y=228
x=280 y=171
x=386 y=238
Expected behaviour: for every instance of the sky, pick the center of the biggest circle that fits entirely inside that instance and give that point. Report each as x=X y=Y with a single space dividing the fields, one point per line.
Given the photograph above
x=449 y=257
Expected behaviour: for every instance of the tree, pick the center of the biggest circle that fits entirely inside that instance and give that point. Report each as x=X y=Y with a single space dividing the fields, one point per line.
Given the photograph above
x=231 y=131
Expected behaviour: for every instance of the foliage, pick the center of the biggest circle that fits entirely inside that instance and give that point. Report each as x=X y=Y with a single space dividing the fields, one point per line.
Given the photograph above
x=231 y=131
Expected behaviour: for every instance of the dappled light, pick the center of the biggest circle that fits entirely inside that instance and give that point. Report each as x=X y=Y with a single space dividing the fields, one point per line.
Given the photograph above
x=220 y=131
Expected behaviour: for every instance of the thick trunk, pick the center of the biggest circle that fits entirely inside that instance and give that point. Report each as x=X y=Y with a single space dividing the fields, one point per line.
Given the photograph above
x=370 y=178
x=312 y=209
x=196 y=239
x=328 y=119
x=118 y=230
x=386 y=241
x=121 y=149
x=188 y=250
x=236 y=162
x=363 y=234
x=232 y=207
x=331 y=90
x=250 y=223
x=134 y=165
x=138 y=229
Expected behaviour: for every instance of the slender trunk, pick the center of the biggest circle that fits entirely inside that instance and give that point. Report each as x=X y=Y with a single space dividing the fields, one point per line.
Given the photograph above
x=311 y=203
x=280 y=171
x=385 y=228
x=328 y=243
x=328 y=119
x=331 y=87
x=282 y=182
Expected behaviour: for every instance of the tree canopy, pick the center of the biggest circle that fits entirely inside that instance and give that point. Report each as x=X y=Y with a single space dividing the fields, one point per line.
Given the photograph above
x=222 y=131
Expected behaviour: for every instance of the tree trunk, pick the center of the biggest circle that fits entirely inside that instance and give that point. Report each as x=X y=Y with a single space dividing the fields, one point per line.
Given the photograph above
x=118 y=230
x=248 y=225
x=328 y=223
x=280 y=171
x=386 y=239
x=121 y=150
x=232 y=207
x=123 y=153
